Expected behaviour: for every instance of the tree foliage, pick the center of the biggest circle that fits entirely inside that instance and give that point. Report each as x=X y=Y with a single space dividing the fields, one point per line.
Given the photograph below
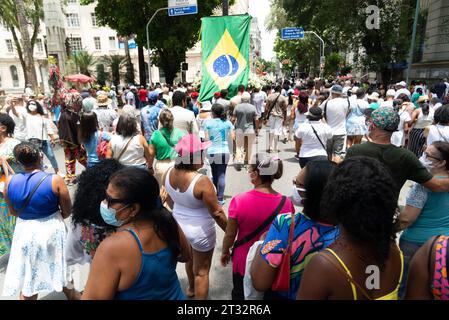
x=18 y=15
x=170 y=37
x=85 y=61
x=102 y=76
x=342 y=25
x=115 y=64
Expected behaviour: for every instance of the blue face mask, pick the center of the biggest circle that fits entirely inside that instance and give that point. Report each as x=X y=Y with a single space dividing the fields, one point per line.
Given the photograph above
x=109 y=215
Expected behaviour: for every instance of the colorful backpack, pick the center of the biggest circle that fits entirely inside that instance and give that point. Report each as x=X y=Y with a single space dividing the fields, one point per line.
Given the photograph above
x=102 y=148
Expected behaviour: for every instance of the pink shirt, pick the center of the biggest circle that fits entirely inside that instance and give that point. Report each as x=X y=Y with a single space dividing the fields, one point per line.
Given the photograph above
x=251 y=209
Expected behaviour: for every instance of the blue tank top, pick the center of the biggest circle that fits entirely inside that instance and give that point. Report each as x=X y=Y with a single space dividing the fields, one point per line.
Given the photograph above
x=157 y=278
x=43 y=203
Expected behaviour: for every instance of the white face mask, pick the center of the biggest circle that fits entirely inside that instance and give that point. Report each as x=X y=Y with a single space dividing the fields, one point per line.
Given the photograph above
x=426 y=162
x=32 y=107
x=296 y=197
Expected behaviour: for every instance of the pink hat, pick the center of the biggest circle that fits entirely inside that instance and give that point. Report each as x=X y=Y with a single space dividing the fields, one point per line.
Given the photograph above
x=190 y=144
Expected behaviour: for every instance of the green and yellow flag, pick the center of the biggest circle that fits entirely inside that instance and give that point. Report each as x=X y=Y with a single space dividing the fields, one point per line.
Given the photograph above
x=225 y=54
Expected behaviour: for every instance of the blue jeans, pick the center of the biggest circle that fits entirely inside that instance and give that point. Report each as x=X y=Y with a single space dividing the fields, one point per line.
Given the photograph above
x=408 y=249
x=218 y=164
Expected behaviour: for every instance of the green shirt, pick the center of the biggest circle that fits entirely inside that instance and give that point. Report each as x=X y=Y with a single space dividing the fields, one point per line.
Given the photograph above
x=403 y=164
x=163 y=149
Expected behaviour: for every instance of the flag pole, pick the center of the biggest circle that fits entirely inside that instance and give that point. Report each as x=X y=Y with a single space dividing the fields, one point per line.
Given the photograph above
x=225 y=5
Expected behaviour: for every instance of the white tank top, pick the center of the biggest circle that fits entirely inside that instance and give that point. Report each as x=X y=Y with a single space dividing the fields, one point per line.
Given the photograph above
x=187 y=209
x=424 y=121
x=134 y=153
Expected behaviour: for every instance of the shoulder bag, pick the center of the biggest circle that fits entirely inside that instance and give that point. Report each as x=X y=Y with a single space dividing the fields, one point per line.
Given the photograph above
x=441 y=135
x=28 y=199
x=124 y=149
x=282 y=280
x=272 y=107
x=259 y=229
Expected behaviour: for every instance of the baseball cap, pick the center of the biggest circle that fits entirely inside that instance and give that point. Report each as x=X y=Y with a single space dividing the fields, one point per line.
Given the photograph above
x=314 y=113
x=402 y=84
x=194 y=95
x=153 y=95
x=337 y=89
x=386 y=118
x=190 y=144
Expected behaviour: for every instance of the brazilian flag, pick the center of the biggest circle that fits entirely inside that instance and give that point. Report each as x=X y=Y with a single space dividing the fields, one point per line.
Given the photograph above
x=225 y=54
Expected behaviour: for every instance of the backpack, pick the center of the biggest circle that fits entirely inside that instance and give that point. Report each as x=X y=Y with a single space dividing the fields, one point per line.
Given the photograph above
x=102 y=148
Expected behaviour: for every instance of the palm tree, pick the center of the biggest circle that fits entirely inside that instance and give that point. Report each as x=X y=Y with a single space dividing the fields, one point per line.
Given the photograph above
x=85 y=61
x=115 y=63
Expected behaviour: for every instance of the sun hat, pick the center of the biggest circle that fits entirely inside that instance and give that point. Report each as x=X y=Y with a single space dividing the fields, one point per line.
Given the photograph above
x=206 y=106
x=337 y=89
x=391 y=93
x=354 y=89
x=103 y=100
x=374 y=96
x=314 y=113
x=190 y=144
x=386 y=118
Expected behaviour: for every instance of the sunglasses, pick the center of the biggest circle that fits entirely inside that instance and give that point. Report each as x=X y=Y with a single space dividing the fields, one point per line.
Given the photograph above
x=110 y=201
x=431 y=157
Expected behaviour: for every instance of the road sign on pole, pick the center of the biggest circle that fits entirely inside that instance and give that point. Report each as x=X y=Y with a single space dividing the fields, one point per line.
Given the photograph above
x=292 y=33
x=182 y=7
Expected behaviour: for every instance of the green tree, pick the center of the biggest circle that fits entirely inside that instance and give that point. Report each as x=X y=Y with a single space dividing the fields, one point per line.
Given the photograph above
x=114 y=63
x=170 y=37
x=18 y=16
x=343 y=26
x=333 y=63
x=85 y=62
x=102 y=76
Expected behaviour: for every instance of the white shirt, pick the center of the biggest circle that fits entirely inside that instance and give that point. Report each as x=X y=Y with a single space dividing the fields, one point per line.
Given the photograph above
x=438 y=133
x=336 y=111
x=311 y=146
x=133 y=155
x=387 y=104
x=401 y=91
x=38 y=127
x=184 y=120
x=397 y=138
x=20 y=130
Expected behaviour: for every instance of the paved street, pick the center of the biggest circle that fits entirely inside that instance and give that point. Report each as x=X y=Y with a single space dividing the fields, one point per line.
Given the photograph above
x=220 y=278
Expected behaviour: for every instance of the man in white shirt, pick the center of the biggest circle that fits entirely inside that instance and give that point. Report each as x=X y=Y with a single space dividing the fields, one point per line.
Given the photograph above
x=18 y=113
x=183 y=119
x=335 y=112
x=313 y=137
x=391 y=93
x=401 y=87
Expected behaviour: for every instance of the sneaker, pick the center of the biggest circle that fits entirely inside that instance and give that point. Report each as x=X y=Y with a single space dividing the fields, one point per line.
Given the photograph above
x=297 y=157
x=221 y=203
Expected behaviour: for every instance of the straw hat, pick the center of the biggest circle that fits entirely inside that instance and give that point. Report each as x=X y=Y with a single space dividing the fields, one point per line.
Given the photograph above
x=103 y=100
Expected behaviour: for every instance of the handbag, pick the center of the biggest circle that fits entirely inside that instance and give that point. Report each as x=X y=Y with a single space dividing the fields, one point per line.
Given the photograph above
x=102 y=148
x=282 y=280
x=265 y=224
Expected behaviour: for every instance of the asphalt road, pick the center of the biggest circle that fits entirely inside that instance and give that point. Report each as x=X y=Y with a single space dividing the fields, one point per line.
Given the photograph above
x=236 y=182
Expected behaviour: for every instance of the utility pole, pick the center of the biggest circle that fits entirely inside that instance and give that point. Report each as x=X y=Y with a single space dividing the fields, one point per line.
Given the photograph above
x=225 y=4
x=412 y=45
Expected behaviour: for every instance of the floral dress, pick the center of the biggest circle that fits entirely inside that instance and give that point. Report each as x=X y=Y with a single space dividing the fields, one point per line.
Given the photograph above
x=7 y=221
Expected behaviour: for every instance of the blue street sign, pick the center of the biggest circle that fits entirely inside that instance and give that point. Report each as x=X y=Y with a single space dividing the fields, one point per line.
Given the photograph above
x=292 y=33
x=182 y=11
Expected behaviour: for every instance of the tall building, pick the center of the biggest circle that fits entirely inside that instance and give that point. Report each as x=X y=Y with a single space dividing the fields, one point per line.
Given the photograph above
x=431 y=59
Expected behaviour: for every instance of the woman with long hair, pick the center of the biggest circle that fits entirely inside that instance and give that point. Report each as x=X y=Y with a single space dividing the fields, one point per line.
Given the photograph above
x=162 y=144
x=421 y=118
x=138 y=262
x=90 y=136
x=362 y=197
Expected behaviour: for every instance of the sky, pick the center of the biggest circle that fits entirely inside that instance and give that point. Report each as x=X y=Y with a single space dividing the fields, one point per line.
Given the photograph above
x=261 y=9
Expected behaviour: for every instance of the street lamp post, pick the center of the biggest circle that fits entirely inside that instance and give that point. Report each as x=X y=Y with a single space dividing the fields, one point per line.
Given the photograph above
x=321 y=49
x=412 y=45
x=148 y=44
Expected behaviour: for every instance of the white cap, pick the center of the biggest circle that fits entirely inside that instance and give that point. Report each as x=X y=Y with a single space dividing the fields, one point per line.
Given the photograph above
x=402 y=84
x=206 y=106
x=354 y=89
x=374 y=96
x=391 y=93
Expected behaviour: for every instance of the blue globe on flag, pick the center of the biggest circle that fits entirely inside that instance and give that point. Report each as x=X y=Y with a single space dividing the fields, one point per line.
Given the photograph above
x=225 y=66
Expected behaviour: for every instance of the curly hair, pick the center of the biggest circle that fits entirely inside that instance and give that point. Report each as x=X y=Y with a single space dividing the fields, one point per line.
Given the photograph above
x=91 y=191
x=362 y=196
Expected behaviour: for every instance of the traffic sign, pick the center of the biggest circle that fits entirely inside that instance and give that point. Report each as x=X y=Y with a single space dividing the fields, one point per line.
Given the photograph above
x=182 y=7
x=292 y=33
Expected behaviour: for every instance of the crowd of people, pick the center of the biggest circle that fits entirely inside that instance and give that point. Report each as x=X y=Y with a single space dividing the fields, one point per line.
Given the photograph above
x=152 y=191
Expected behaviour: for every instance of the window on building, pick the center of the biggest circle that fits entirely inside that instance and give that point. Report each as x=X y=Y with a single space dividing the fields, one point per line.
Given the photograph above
x=39 y=46
x=112 y=43
x=76 y=44
x=97 y=43
x=9 y=46
x=73 y=20
x=93 y=19
x=14 y=76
